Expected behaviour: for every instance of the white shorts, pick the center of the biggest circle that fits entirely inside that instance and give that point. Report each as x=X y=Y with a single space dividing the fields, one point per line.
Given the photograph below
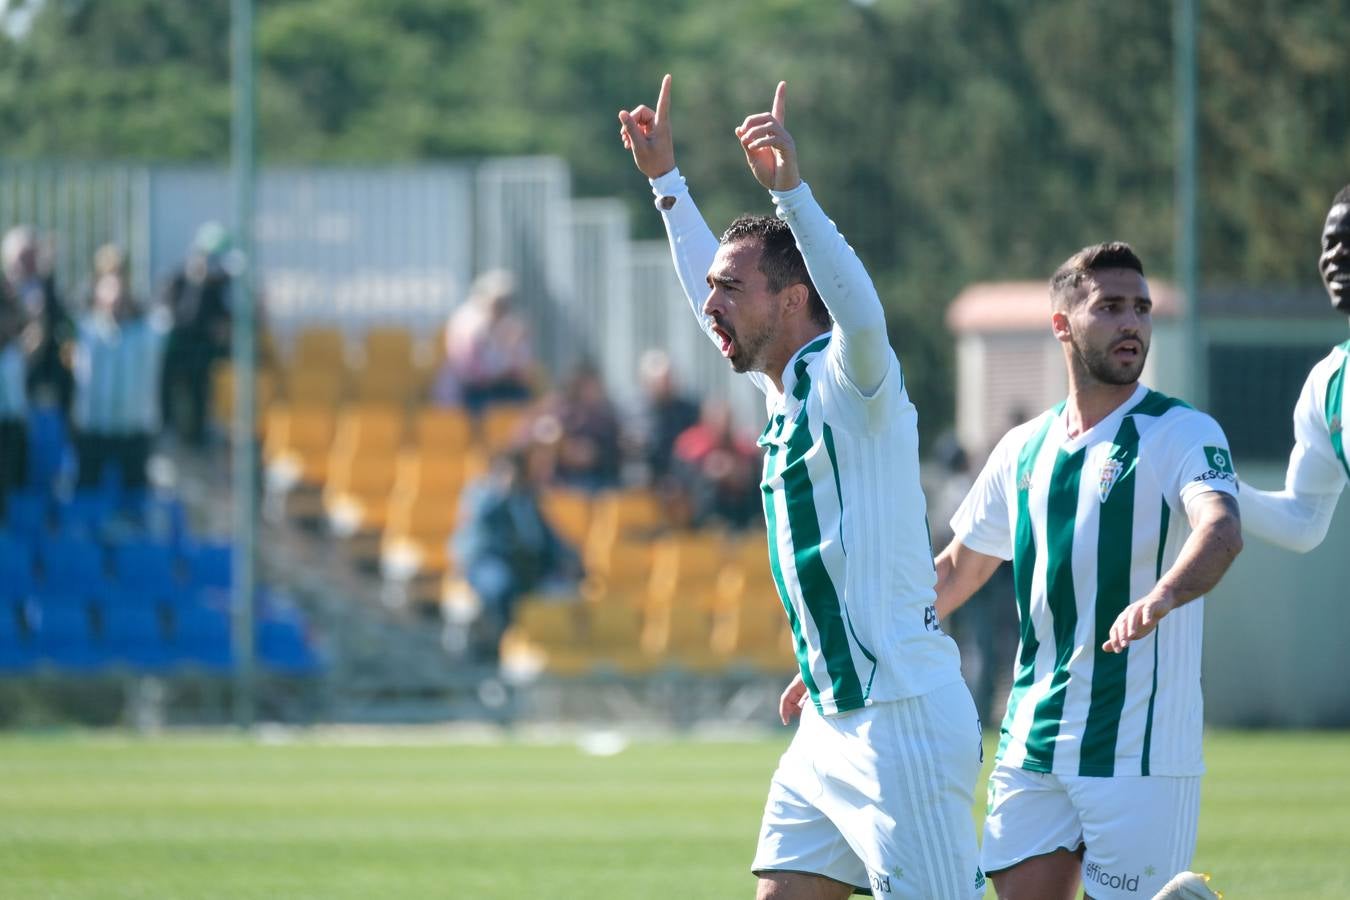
x=1138 y=830
x=880 y=798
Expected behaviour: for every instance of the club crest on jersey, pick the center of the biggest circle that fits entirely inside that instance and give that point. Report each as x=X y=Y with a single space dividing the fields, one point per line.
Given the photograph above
x=1111 y=470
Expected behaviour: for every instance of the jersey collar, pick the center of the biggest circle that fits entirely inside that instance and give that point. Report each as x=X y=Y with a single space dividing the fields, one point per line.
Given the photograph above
x=796 y=367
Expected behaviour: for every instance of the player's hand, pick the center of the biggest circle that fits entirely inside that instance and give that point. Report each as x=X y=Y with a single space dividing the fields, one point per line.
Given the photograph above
x=793 y=699
x=646 y=132
x=1137 y=621
x=769 y=149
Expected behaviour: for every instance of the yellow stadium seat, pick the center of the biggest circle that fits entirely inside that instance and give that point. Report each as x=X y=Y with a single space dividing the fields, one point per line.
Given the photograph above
x=387 y=386
x=356 y=495
x=569 y=512
x=318 y=348
x=366 y=430
x=296 y=447
x=415 y=538
x=621 y=574
x=222 y=395
x=625 y=514
x=314 y=387
x=755 y=636
x=443 y=430
x=430 y=474
x=688 y=567
x=614 y=638
x=387 y=347
x=501 y=426
x=681 y=636
x=546 y=637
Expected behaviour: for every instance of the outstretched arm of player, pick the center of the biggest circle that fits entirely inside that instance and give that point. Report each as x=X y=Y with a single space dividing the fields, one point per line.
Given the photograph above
x=835 y=269
x=1214 y=542
x=1298 y=517
x=648 y=135
x=961 y=572
x=1290 y=519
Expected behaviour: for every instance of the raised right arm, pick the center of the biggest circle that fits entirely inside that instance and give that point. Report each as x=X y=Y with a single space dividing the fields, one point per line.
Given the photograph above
x=647 y=134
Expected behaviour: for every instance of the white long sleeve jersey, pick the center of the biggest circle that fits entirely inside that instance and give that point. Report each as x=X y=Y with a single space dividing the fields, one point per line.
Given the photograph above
x=1298 y=517
x=847 y=527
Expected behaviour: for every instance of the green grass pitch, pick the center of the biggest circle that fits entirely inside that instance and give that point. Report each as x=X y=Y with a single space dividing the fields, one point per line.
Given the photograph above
x=221 y=817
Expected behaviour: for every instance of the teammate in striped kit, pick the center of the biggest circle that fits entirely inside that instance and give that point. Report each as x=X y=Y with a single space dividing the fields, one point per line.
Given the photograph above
x=875 y=790
x=1097 y=775
x=1298 y=517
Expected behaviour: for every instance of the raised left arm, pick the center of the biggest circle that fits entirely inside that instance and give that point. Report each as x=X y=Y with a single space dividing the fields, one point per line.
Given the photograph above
x=835 y=269
x=1215 y=541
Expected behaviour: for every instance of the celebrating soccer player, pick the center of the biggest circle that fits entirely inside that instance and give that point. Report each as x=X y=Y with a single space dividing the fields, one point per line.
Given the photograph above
x=1117 y=509
x=1298 y=516
x=876 y=787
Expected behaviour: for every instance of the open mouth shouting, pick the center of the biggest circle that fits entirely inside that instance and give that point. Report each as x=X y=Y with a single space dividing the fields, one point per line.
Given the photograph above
x=726 y=339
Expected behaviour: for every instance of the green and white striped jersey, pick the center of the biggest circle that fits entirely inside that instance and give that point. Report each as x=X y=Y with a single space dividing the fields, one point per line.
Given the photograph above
x=1091 y=523
x=848 y=536
x=846 y=516
x=1318 y=464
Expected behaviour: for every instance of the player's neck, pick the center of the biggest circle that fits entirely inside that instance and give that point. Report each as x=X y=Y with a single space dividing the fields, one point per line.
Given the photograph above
x=1090 y=401
x=788 y=346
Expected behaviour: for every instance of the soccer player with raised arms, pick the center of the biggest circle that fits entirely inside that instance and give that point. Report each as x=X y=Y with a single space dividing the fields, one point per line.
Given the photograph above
x=875 y=789
x=1117 y=509
x=1297 y=518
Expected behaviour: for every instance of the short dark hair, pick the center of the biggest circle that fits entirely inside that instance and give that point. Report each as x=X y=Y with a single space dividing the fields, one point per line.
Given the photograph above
x=1342 y=196
x=1096 y=258
x=780 y=261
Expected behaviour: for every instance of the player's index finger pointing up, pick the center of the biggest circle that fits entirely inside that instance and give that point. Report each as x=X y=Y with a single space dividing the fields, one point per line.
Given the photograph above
x=780 y=103
x=663 y=100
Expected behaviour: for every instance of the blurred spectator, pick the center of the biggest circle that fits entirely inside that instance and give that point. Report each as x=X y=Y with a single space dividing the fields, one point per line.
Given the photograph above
x=664 y=414
x=49 y=328
x=13 y=398
x=488 y=357
x=587 y=431
x=197 y=297
x=118 y=357
x=505 y=547
x=719 y=469
x=985 y=627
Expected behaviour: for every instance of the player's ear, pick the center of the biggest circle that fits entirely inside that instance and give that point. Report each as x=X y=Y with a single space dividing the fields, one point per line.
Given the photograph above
x=796 y=297
x=1059 y=325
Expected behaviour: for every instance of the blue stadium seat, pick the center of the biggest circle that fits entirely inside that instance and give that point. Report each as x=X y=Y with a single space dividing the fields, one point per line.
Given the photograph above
x=49 y=450
x=16 y=652
x=63 y=637
x=134 y=637
x=162 y=517
x=283 y=646
x=145 y=565
x=16 y=568
x=201 y=637
x=209 y=564
x=86 y=512
x=115 y=596
x=71 y=565
x=27 y=513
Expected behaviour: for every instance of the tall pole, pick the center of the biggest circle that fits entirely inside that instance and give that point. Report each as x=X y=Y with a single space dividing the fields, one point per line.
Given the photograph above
x=243 y=444
x=1186 y=177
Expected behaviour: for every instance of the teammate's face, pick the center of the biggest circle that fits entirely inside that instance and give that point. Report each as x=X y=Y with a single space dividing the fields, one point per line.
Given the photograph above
x=1334 y=263
x=1110 y=326
x=746 y=314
